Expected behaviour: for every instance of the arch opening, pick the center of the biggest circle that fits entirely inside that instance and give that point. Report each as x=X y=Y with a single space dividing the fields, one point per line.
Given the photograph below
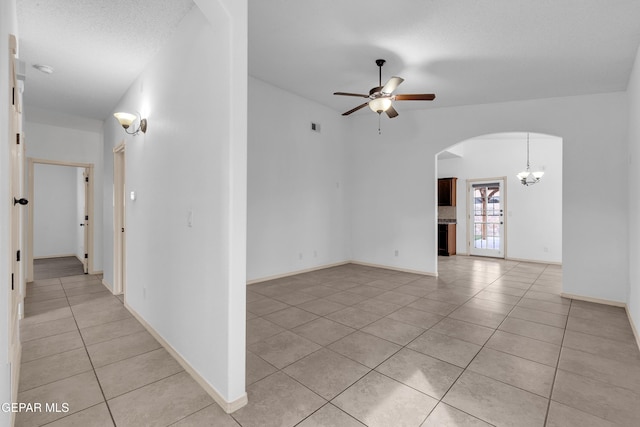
x=509 y=221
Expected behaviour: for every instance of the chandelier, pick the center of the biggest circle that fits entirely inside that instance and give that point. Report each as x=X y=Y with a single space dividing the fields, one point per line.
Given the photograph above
x=527 y=177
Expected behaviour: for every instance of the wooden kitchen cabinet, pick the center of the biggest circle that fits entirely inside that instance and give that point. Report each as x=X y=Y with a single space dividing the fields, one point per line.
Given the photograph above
x=446 y=239
x=447 y=191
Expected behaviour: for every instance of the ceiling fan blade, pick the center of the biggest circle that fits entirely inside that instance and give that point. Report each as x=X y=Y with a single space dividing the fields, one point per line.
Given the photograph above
x=391 y=112
x=392 y=84
x=416 y=97
x=355 y=109
x=351 y=94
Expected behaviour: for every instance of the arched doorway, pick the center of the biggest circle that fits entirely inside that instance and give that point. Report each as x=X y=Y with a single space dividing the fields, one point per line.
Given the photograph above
x=494 y=214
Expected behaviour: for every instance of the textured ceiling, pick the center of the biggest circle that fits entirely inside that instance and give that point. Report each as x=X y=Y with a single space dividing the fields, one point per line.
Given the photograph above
x=97 y=48
x=465 y=51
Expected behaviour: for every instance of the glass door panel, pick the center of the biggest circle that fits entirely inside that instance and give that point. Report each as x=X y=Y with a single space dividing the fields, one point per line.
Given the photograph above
x=487 y=219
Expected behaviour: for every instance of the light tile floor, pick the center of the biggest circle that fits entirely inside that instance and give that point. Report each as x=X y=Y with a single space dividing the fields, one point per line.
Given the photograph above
x=488 y=342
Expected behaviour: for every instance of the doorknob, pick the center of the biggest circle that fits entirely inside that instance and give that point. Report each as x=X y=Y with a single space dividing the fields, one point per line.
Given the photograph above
x=81 y=225
x=21 y=201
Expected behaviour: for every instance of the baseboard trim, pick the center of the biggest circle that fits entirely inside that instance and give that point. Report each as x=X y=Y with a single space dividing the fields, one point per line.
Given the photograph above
x=595 y=300
x=388 y=267
x=633 y=326
x=107 y=285
x=227 y=406
x=608 y=302
x=293 y=273
x=337 y=264
x=533 y=261
x=56 y=256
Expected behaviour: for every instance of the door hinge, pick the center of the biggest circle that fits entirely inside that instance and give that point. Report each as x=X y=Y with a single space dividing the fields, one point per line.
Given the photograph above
x=17 y=138
x=86 y=256
x=13 y=96
x=86 y=179
x=18 y=256
x=123 y=229
x=11 y=281
x=86 y=217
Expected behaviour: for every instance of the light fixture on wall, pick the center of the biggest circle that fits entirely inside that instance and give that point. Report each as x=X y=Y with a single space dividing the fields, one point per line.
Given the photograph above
x=127 y=119
x=527 y=177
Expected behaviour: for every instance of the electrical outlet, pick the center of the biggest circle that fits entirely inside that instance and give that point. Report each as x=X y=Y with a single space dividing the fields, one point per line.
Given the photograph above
x=300 y=255
x=546 y=249
x=397 y=252
x=189 y=218
x=315 y=254
x=144 y=293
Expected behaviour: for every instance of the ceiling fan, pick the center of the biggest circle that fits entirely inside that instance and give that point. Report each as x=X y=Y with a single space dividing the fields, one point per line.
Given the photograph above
x=381 y=97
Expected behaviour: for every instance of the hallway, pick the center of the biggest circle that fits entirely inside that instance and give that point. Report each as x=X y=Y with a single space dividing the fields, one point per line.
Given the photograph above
x=48 y=268
x=489 y=342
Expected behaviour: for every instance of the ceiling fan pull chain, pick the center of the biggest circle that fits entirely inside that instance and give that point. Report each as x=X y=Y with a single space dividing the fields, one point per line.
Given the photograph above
x=379 y=131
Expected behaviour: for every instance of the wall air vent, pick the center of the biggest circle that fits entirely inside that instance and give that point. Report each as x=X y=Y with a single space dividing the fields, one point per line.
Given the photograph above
x=315 y=127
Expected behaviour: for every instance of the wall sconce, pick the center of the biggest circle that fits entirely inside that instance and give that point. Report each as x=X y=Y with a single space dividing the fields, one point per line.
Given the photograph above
x=126 y=119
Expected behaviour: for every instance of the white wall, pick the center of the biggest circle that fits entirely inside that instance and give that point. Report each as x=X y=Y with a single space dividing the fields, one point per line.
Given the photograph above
x=394 y=182
x=44 y=141
x=54 y=211
x=633 y=92
x=533 y=219
x=297 y=207
x=187 y=282
x=8 y=25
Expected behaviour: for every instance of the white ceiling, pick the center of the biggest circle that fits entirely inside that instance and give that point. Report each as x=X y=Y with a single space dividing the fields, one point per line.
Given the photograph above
x=97 y=48
x=465 y=51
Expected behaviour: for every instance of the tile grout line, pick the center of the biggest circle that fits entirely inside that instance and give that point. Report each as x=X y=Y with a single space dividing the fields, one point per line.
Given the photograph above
x=402 y=346
x=555 y=373
x=481 y=348
x=95 y=374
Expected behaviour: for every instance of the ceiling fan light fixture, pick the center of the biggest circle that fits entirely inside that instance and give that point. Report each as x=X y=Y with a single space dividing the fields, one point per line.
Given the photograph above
x=380 y=105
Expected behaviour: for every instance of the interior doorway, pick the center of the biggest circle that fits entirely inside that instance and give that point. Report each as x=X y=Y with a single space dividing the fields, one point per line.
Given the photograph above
x=486 y=205
x=77 y=212
x=119 y=221
x=514 y=222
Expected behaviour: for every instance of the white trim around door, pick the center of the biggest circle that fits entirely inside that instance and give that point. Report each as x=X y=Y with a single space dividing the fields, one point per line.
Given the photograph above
x=89 y=224
x=486 y=220
x=119 y=221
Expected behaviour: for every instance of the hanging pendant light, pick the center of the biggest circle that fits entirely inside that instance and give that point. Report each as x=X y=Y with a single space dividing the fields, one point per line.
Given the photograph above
x=527 y=177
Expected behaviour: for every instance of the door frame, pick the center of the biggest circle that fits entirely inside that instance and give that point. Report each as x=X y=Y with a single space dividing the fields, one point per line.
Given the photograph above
x=119 y=220
x=85 y=220
x=89 y=228
x=16 y=222
x=469 y=233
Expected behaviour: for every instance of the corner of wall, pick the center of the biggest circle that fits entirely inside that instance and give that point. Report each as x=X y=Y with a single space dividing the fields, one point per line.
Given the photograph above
x=633 y=95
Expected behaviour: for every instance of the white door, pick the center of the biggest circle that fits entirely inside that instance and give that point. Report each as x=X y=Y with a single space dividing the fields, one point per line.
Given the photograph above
x=119 y=216
x=486 y=218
